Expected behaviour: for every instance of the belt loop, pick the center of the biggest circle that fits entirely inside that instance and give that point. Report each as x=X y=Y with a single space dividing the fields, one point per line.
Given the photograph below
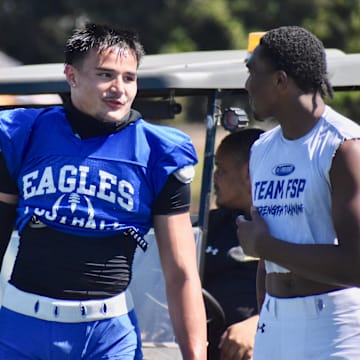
x=36 y=307
x=275 y=305
x=267 y=305
x=270 y=305
x=319 y=305
x=104 y=308
x=83 y=309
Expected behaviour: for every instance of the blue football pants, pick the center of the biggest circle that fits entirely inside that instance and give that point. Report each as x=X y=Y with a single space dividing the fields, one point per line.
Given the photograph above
x=24 y=337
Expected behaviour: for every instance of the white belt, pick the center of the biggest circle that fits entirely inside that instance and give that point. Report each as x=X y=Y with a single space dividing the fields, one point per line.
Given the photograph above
x=66 y=311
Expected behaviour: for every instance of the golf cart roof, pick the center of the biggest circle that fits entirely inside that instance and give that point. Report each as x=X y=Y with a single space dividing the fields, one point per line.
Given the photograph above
x=180 y=74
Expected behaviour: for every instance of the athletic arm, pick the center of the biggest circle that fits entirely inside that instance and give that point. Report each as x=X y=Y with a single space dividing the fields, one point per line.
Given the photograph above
x=8 y=202
x=177 y=251
x=260 y=283
x=7 y=221
x=332 y=264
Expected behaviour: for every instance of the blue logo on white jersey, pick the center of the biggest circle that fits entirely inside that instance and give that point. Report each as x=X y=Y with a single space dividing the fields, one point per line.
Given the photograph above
x=288 y=189
x=283 y=169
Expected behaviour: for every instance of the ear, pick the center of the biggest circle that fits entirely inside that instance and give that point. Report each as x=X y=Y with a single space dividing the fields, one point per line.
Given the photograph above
x=245 y=174
x=245 y=169
x=281 y=79
x=70 y=74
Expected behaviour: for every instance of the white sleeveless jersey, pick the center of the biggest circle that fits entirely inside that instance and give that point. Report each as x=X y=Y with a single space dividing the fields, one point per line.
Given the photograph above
x=290 y=181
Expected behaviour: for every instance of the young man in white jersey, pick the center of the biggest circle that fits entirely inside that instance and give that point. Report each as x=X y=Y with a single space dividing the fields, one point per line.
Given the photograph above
x=306 y=204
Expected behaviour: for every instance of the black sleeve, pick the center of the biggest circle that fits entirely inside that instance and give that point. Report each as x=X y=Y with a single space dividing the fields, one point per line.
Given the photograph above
x=174 y=198
x=7 y=183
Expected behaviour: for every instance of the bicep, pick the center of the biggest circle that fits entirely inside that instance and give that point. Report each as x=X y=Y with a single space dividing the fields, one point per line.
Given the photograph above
x=345 y=184
x=8 y=186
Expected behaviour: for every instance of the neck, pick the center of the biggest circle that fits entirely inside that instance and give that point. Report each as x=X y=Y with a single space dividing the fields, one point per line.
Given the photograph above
x=87 y=126
x=300 y=116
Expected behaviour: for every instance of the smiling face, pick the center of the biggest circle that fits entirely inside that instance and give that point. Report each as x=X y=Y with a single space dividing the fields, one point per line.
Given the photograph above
x=104 y=85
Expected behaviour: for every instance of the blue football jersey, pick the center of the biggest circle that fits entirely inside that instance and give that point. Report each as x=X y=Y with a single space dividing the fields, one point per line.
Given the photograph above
x=94 y=187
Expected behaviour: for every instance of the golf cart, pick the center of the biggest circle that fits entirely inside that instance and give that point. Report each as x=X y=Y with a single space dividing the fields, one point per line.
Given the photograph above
x=217 y=76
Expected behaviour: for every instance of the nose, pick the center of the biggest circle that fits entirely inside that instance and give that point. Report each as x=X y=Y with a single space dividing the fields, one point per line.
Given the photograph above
x=247 y=84
x=215 y=175
x=117 y=86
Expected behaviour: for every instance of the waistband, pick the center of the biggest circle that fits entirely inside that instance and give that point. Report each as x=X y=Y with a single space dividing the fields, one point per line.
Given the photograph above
x=333 y=302
x=66 y=311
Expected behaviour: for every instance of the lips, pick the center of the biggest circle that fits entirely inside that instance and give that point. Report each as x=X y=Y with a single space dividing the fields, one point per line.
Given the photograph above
x=114 y=104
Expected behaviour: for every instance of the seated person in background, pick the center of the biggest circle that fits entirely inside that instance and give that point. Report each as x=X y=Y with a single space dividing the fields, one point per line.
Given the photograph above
x=230 y=275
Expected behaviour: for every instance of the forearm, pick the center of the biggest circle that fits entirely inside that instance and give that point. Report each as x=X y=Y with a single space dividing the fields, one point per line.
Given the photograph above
x=7 y=222
x=183 y=287
x=187 y=312
x=327 y=263
x=260 y=284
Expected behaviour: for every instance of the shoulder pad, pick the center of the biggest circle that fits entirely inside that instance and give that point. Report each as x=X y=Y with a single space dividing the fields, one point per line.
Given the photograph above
x=185 y=174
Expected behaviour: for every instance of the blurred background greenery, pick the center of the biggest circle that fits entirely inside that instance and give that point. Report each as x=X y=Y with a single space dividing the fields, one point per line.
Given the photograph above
x=34 y=32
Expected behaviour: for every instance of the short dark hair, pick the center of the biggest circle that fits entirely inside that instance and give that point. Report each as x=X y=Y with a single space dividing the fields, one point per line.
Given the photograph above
x=239 y=143
x=100 y=37
x=301 y=55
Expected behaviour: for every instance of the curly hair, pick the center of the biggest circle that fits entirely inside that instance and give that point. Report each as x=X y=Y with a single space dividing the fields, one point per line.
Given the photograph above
x=301 y=55
x=100 y=37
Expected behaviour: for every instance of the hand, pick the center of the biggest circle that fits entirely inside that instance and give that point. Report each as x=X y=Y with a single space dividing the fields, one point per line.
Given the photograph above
x=237 y=342
x=251 y=233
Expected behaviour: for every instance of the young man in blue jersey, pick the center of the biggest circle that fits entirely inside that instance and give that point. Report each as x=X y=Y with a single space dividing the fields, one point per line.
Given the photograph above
x=88 y=180
x=306 y=195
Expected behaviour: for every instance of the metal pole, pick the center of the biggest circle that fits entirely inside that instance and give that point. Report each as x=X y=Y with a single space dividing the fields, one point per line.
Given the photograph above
x=212 y=120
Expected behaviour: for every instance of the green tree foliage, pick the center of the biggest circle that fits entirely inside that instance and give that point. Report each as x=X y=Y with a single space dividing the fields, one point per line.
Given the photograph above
x=336 y=23
x=34 y=31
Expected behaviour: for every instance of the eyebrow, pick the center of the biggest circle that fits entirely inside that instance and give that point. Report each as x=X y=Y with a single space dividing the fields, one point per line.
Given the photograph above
x=99 y=68
x=103 y=68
